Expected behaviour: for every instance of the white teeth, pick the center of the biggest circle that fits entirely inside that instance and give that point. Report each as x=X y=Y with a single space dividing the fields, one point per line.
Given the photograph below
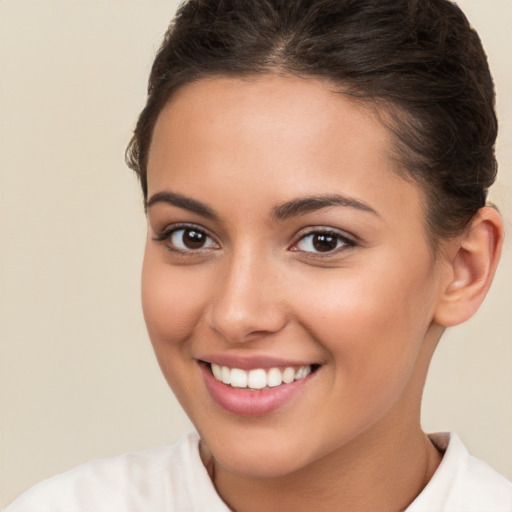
x=225 y=375
x=288 y=375
x=302 y=372
x=274 y=377
x=217 y=371
x=258 y=378
x=238 y=378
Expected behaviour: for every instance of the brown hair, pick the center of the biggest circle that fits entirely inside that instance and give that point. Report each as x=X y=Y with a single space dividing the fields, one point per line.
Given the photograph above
x=418 y=60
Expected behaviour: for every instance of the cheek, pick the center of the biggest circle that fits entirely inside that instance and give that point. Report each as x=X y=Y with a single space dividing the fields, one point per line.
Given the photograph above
x=170 y=301
x=172 y=304
x=372 y=321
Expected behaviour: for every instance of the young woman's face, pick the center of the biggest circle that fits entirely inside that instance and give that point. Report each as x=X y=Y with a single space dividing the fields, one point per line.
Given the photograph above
x=284 y=253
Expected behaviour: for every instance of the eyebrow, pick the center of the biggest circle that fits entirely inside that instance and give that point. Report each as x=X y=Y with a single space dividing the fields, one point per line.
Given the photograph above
x=309 y=204
x=184 y=202
x=293 y=208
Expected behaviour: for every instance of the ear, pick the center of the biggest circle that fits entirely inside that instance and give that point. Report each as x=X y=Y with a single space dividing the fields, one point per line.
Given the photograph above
x=471 y=262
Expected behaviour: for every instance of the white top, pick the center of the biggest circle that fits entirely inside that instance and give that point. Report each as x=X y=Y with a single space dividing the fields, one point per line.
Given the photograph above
x=173 y=478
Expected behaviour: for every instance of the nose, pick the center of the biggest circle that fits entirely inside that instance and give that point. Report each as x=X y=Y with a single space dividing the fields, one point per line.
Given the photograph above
x=247 y=300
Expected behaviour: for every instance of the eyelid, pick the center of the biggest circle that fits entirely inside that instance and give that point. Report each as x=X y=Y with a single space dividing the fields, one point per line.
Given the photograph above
x=169 y=228
x=348 y=240
x=165 y=234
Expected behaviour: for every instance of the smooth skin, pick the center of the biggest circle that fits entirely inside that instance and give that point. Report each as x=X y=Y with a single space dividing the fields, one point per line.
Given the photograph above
x=368 y=304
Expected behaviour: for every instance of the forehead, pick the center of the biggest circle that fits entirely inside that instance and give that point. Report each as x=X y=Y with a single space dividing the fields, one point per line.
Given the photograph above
x=274 y=138
x=271 y=108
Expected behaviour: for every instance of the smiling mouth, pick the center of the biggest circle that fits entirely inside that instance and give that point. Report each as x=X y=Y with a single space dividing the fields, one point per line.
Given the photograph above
x=259 y=378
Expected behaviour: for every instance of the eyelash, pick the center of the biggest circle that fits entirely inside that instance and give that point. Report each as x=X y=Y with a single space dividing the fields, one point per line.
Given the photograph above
x=346 y=242
x=166 y=236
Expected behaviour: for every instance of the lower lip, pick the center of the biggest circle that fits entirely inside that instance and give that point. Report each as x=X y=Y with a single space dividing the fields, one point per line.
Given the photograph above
x=247 y=402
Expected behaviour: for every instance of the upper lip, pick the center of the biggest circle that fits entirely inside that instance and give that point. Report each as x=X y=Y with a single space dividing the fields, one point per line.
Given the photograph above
x=252 y=362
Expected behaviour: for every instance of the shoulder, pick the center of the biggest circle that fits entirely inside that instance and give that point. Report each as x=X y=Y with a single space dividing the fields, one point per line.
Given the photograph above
x=150 y=479
x=463 y=483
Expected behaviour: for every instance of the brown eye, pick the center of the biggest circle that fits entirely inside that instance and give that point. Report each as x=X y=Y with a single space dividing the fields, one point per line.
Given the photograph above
x=190 y=239
x=323 y=242
x=193 y=239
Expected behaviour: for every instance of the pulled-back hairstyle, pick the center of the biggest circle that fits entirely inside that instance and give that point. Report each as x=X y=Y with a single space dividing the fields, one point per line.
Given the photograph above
x=418 y=61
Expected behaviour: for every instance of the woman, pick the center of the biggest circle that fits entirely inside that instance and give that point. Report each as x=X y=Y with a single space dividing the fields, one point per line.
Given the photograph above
x=315 y=177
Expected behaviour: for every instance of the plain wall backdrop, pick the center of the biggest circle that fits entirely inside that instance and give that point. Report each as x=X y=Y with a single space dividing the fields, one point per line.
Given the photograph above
x=78 y=378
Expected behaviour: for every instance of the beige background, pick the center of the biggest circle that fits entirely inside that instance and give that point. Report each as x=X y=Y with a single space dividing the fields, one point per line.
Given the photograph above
x=77 y=376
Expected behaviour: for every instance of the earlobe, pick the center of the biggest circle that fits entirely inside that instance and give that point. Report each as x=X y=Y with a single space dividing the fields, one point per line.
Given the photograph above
x=470 y=270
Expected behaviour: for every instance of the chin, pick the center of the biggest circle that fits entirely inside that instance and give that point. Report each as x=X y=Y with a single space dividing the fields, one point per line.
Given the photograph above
x=257 y=465
x=271 y=457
